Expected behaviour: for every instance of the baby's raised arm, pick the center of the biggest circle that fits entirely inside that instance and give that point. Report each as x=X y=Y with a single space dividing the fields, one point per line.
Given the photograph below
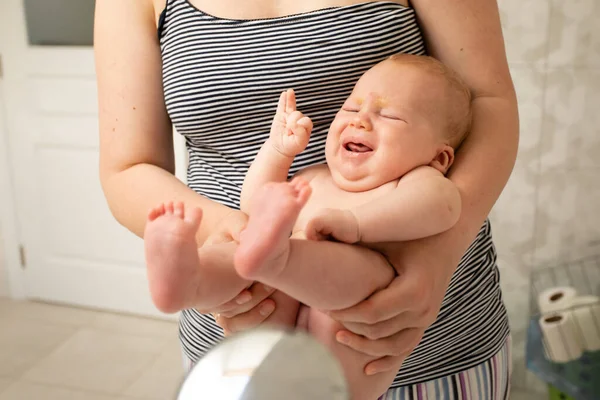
x=289 y=136
x=424 y=203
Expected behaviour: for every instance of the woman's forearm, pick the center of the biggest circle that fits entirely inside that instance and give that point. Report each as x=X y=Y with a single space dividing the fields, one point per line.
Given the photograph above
x=131 y=193
x=482 y=167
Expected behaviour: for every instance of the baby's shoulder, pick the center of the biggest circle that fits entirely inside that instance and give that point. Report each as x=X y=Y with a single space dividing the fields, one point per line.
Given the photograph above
x=421 y=172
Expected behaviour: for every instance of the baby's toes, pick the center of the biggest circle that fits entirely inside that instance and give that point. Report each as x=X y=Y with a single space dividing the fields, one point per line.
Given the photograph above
x=178 y=210
x=169 y=208
x=193 y=217
x=156 y=212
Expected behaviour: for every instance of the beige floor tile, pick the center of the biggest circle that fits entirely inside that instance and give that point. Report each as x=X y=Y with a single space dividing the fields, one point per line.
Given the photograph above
x=98 y=361
x=163 y=379
x=135 y=325
x=516 y=394
x=134 y=398
x=24 y=390
x=55 y=314
x=23 y=343
x=4 y=383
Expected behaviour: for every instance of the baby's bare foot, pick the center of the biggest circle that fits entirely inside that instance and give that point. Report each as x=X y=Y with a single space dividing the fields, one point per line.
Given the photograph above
x=172 y=255
x=264 y=244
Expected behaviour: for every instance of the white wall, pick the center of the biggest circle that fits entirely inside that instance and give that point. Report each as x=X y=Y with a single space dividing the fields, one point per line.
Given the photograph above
x=3 y=189
x=3 y=272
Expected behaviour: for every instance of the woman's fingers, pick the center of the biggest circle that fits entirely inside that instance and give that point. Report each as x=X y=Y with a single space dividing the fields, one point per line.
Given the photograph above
x=381 y=306
x=382 y=329
x=397 y=345
x=245 y=301
x=218 y=238
x=249 y=320
x=384 y=364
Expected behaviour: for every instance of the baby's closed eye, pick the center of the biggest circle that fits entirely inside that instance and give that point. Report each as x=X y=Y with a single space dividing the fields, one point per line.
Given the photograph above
x=391 y=116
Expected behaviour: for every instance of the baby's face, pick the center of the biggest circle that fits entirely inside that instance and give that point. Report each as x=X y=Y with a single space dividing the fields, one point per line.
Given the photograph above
x=387 y=127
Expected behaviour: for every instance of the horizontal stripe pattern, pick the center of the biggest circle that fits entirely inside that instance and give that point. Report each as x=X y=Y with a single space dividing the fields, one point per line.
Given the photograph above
x=490 y=380
x=222 y=79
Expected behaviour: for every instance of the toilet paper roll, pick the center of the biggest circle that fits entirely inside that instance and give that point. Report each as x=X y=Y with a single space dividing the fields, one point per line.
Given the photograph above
x=585 y=313
x=556 y=299
x=561 y=342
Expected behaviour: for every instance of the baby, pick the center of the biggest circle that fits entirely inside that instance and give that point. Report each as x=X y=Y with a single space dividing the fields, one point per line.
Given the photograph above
x=387 y=152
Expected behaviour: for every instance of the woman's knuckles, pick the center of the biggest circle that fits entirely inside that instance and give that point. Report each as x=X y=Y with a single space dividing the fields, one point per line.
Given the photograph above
x=376 y=332
x=372 y=314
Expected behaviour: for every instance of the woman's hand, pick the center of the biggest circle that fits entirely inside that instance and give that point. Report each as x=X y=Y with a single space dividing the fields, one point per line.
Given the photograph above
x=251 y=306
x=391 y=323
x=249 y=309
x=228 y=229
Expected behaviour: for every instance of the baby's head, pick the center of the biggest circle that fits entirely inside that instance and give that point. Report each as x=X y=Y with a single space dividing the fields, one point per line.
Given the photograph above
x=405 y=112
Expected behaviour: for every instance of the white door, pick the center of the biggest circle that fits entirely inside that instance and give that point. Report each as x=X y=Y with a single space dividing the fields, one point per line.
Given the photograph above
x=75 y=251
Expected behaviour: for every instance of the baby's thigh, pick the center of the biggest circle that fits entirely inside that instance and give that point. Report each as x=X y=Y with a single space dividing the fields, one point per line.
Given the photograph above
x=362 y=387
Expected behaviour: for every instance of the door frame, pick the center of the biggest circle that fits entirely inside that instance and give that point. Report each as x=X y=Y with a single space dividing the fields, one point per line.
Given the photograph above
x=8 y=212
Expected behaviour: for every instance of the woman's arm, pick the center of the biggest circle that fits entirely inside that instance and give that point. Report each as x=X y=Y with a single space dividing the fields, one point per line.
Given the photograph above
x=136 y=143
x=467 y=36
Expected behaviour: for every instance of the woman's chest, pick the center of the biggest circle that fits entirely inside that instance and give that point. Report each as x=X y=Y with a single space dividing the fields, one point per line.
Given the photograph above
x=259 y=9
x=222 y=77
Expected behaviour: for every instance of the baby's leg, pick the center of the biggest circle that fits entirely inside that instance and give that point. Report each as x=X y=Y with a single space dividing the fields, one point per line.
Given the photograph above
x=180 y=275
x=264 y=244
x=321 y=274
x=362 y=387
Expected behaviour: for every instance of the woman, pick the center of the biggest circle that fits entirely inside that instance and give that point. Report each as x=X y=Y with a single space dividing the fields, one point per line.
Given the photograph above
x=214 y=70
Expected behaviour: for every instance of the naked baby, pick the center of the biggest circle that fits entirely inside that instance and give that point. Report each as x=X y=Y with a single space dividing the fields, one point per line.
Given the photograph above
x=388 y=150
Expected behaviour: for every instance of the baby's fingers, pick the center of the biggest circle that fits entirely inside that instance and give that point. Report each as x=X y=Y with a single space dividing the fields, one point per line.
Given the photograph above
x=293 y=119
x=306 y=123
x=290 y=101
x=282 y=104
x=317 y=229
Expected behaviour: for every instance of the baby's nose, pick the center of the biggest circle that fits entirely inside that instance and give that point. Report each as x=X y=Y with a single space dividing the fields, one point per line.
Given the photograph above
x=362 y=120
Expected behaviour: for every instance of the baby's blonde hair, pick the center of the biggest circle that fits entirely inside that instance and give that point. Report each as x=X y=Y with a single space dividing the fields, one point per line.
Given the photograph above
x=459 y=95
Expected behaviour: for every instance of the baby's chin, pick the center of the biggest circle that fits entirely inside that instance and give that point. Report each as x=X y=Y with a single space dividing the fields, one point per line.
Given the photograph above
x=352 y=181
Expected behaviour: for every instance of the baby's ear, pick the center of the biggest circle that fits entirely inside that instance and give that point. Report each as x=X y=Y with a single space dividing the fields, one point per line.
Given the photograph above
x=444 y=159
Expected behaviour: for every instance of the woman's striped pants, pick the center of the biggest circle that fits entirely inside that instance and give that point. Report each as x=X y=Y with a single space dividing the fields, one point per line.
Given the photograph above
x=489 y=380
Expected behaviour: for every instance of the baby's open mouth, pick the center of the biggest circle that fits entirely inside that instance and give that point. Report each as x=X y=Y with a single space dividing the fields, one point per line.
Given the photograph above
x=357 y=147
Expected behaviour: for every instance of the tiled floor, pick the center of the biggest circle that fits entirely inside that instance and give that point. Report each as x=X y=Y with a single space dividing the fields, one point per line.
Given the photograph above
x=51 y=352
x=59 y=353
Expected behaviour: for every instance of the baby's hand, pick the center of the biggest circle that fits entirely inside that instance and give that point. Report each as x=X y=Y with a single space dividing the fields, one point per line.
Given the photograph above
x=333 y=223
x=291 y=129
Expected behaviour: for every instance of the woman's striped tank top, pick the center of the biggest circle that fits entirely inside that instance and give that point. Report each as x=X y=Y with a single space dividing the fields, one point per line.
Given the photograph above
x=222 y=79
